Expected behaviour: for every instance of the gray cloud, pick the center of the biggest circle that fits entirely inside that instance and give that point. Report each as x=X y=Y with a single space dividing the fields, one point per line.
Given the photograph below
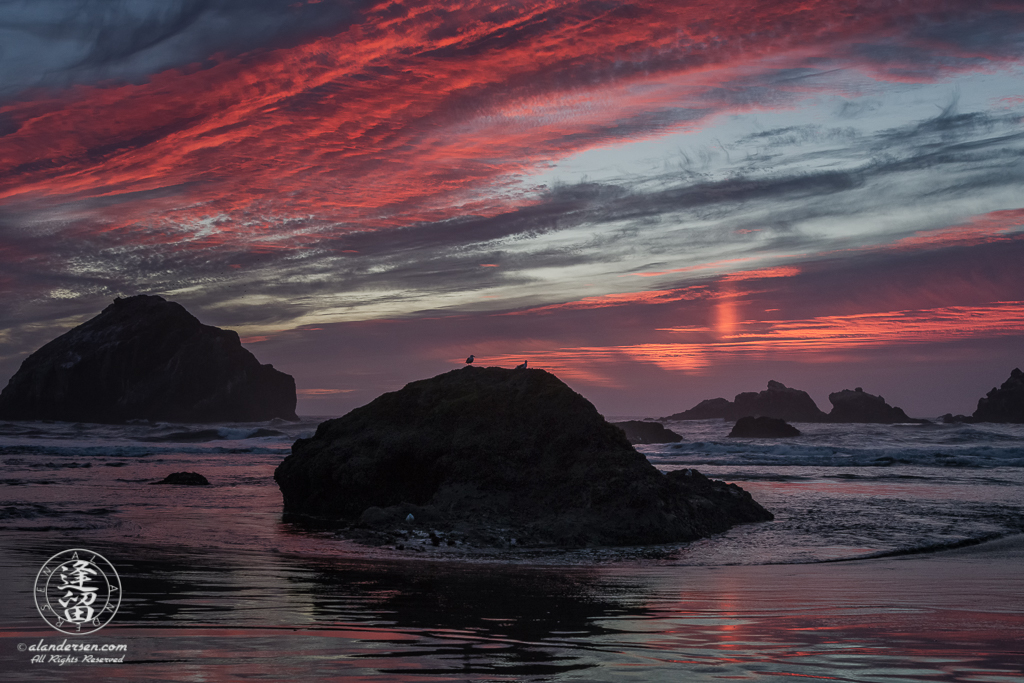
x=55 y=43
x=612 y=227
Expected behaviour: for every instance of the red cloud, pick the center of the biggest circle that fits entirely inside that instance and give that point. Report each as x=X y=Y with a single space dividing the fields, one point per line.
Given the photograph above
x=409 y=116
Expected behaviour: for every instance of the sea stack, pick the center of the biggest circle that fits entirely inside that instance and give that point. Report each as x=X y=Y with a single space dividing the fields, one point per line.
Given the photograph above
x=777 y=401
x=1005 y=404
x=860 y=406
x=510 y=453
x=145 y=358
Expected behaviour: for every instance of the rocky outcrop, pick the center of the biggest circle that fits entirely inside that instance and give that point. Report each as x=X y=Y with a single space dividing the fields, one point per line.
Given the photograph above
x=1005 y=404
x=184 y=479
x=144 y=358
x=860 y=406
x=708 y=409
x=640 y=432
x=513 y=452
x=763 y=428
x=778 y=401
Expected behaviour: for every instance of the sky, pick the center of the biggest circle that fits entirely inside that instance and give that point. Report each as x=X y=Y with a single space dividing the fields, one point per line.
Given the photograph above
x=658 y=202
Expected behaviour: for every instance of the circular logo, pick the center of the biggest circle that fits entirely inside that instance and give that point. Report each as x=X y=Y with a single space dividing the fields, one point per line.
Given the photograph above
x=77 y=591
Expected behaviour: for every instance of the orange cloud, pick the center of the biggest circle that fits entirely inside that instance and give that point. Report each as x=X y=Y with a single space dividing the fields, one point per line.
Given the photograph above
x=778 y=271
x=996 y=226
x=786 y=338
x=624 y=299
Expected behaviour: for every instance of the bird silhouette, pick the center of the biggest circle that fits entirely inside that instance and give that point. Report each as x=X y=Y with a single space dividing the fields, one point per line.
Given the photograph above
x=523 y=366
x=470 y=359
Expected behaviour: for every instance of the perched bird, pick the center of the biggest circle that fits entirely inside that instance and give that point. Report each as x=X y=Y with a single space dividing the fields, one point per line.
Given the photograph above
x=470 y=359
x=523 y=366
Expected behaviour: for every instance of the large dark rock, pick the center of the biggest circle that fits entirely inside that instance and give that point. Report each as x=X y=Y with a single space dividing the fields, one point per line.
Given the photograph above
x=641 y=431
x=763 y=428
x=778 y=401
x=490 y=448
x=860 y=406
x=1005 y=404
x=147 y=358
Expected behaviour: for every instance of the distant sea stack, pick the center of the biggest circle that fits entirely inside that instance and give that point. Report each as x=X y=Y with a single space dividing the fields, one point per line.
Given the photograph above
x=144 y=358
x=778 y=401
x=1005 y=404
x=860 y=406
x=488 y=452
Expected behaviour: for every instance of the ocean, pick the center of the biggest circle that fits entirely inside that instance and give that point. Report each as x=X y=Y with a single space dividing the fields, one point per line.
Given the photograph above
x=896 y=554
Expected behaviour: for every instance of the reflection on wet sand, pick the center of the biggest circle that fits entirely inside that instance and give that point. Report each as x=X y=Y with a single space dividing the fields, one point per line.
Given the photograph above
x=214 y=616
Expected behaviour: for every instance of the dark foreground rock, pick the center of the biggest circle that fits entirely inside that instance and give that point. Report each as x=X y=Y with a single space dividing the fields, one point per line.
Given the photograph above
x=497 y=454
x=185 y=479
x=640 y=431
x=1005 y=404
x=763 y=428
x=144 y=358
x=860 y=406
x=778 y=401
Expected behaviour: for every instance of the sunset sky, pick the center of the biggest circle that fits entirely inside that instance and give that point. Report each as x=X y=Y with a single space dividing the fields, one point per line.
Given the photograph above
x=660 y=202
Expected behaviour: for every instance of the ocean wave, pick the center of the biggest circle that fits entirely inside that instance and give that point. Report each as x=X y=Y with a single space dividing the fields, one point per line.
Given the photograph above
x=126 y=452
x=926 y=548
x=795 y=454
x=217 y=434
x=40 y=517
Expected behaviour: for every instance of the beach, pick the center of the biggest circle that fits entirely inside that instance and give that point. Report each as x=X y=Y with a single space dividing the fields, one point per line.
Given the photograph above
x=217 y=588
x=951 y=616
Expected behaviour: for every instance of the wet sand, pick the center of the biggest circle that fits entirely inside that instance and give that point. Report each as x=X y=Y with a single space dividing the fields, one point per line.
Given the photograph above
x=194 y=614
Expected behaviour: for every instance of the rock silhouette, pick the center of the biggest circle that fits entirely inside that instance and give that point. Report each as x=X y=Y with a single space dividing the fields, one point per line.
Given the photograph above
x=763 y=428
x=640 y=431
x=184 y=479
x=778 y=401
x=1005 y=404
x=144 y=358
x=500 y=454
x=860 y=406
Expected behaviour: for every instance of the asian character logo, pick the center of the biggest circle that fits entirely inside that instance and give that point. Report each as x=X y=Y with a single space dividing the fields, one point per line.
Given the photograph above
x=77 y=591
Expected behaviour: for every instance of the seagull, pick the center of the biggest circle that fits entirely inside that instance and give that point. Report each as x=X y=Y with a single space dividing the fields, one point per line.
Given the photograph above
x=470 y=359
x=523 y=366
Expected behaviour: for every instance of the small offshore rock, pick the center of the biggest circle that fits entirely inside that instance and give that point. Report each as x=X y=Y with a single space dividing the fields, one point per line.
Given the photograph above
x=184 y=479
x=643 y=432
x=763 y=428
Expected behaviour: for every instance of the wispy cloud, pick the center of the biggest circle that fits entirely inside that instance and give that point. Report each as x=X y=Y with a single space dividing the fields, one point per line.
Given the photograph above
x=324 y=163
